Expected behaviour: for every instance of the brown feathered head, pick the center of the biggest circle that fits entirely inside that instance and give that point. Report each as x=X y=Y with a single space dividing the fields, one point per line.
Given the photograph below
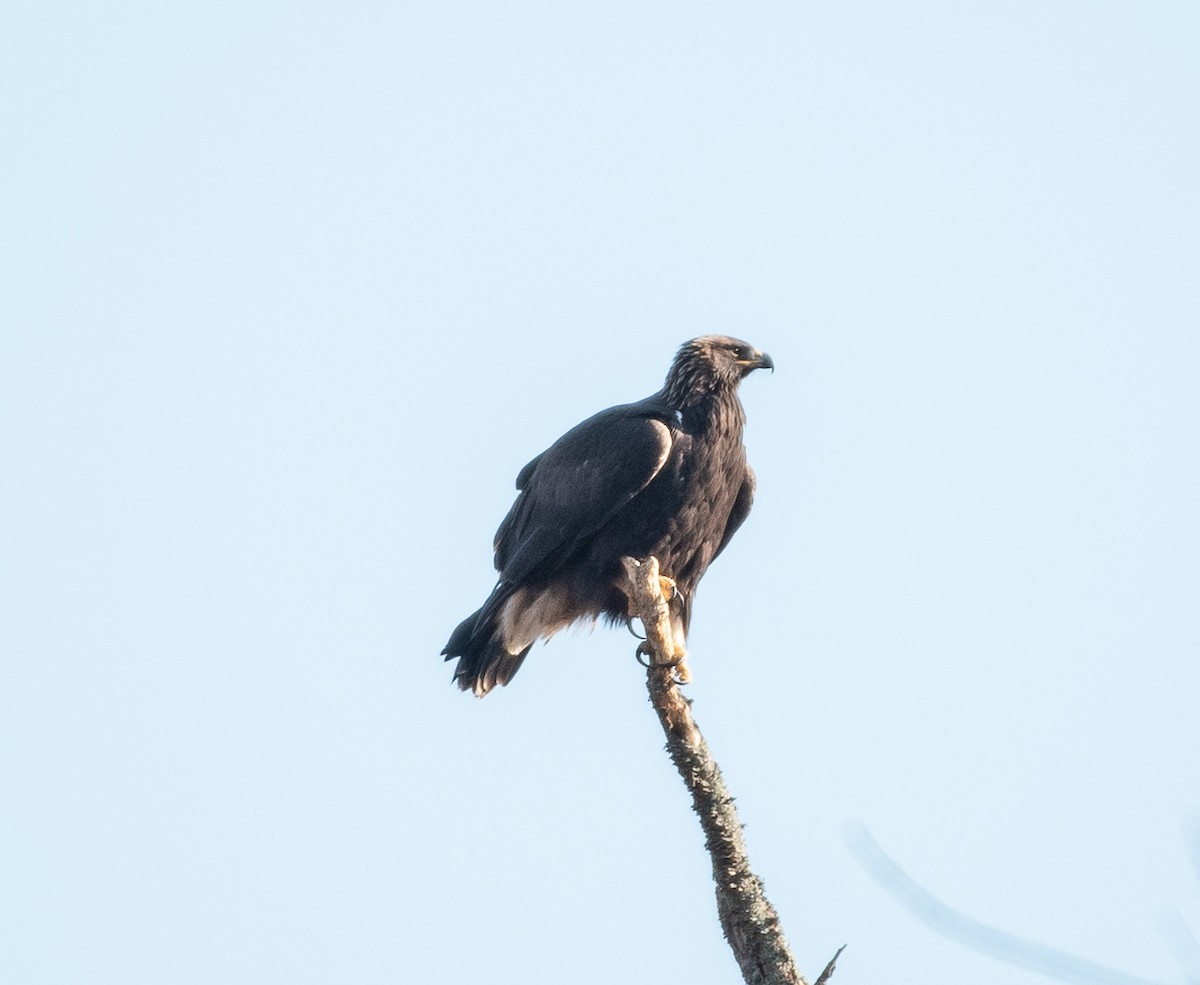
x=710 y=364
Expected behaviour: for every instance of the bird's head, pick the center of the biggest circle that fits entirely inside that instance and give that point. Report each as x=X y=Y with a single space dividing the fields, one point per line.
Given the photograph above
x=713 y=362
x=735 y=357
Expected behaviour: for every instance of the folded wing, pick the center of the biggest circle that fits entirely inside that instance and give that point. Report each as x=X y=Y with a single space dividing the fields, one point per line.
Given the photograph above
x=576 y=486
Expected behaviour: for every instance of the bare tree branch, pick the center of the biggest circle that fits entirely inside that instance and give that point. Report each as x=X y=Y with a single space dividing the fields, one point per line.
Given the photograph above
x=1183 y=944
x=978 y=936
x=750 y=923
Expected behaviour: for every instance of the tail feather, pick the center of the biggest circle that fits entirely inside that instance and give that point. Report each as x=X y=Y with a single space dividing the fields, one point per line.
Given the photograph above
x=483 y=660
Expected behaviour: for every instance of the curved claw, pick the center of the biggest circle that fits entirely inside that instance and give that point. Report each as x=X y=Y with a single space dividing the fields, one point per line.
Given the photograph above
x=633 y=632
x=680 y=674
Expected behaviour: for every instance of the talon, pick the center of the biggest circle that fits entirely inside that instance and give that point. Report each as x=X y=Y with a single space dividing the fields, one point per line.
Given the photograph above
x=633 y=632
x=683 y=674
x=668 y=587
x=680 y=673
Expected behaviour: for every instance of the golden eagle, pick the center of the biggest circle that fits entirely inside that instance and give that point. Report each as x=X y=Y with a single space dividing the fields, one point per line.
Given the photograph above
x=666 y=476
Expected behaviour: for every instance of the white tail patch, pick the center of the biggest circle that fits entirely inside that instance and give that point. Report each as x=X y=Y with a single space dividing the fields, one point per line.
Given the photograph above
x=529 y=616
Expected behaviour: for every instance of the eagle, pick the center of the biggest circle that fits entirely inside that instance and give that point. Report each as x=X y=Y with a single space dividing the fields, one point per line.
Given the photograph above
x=665 y=476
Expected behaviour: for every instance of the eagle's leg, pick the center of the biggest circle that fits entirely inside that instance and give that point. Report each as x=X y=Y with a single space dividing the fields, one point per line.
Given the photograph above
x=675 y=605
x=683 y=674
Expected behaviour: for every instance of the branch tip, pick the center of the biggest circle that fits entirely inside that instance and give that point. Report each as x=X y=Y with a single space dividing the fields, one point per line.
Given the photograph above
x=830 y=968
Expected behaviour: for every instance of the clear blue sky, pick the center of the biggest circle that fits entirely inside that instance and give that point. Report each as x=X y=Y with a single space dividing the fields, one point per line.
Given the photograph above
x=289 y=293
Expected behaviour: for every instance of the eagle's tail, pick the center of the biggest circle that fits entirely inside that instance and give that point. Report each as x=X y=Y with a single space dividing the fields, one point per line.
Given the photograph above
x=483 y=660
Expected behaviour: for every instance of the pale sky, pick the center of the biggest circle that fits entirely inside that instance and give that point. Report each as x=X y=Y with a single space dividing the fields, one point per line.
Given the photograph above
x=289 y=293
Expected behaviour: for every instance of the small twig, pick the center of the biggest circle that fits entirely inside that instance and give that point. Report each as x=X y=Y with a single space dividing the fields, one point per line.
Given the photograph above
x=748 y=920
x=830 y=968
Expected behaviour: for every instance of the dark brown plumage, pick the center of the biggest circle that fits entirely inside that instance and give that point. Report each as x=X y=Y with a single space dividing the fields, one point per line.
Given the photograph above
x=666 y=476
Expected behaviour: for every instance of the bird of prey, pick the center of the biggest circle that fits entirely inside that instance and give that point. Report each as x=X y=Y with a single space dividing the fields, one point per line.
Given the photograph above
x=666 y=476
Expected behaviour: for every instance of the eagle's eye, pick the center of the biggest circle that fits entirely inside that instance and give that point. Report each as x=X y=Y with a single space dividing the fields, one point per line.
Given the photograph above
x=739 y=352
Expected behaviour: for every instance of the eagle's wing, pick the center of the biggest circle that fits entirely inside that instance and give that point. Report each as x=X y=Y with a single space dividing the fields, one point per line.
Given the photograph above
x=576 y=485
x=741 y=510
